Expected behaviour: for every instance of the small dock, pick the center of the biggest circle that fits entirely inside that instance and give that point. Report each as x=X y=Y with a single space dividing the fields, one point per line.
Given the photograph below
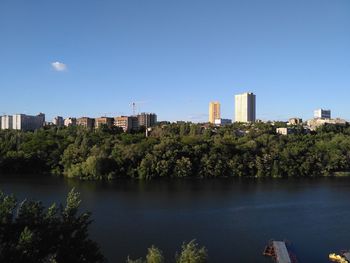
x=279 y=252
x=347 y=256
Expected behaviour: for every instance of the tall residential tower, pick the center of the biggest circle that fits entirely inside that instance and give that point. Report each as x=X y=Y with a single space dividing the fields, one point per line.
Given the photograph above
x=245 y=107
x=214 y=111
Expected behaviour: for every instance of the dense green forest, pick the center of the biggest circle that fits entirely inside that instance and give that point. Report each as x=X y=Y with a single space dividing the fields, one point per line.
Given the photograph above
x=176 y=151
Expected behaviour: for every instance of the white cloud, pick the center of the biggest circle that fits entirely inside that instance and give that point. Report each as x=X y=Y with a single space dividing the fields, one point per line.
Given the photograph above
x=59 y=66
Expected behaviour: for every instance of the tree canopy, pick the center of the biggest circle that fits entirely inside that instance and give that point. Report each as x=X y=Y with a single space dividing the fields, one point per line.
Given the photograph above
x=177 y=151
x=31 y=233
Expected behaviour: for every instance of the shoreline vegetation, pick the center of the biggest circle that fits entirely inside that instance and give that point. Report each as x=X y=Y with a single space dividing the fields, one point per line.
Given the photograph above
x=33 y=233
x=177 y=151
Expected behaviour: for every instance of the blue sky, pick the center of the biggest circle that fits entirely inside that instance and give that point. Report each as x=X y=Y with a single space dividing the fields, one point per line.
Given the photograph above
x=174 y=56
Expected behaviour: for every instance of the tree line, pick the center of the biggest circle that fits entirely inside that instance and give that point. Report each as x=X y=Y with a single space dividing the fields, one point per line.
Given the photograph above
x=177 y=151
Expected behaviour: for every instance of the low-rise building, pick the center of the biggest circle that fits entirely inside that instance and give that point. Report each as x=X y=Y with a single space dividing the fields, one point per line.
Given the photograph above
x=70 y=122
x=295 y=121
x=86 y=122
x=285 y=131
x=127 y=123
x=222 y=122
x=313 y=124
x=58 y=121
x=104 y=121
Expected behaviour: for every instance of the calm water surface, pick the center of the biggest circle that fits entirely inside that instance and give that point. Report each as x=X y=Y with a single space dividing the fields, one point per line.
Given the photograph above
x=233 y=219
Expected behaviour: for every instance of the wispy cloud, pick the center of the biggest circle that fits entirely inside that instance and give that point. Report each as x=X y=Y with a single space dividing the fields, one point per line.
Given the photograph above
x=59 y=66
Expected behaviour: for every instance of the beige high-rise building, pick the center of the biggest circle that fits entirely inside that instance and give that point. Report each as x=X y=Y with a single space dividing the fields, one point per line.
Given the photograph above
x=245 y=107
x=214 y=111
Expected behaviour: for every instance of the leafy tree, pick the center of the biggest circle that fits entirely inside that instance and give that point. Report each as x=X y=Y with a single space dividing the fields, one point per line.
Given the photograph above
x=31 y=233
x=192 y=253
x=154 y=255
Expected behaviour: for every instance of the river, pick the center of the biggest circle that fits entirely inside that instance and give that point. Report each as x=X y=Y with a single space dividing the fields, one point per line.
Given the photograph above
x=234 y=219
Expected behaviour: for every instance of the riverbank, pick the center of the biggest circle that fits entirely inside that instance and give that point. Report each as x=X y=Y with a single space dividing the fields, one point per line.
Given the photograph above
x=177 y=151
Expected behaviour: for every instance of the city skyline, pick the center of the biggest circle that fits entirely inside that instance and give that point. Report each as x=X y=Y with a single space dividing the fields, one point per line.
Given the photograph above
x=295 y=56
x=245 y=112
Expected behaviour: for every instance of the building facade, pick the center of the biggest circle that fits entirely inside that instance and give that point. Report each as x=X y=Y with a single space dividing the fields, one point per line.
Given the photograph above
x=70 y=122
x=214 y=111
x=313 y=124
x=322 y=114
x=222 y=122
x=6 y=122
x=147 y=119
x=295 y=121
x=245 y=107
x=58 y=121
x=25 y=122
x=86 y=122
x=104 y=121
x=127 y=123
x=285 y=131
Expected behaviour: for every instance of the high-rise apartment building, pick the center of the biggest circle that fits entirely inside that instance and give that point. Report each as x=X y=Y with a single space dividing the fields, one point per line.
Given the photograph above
x=25 y=122
x=322 y=114
x=245 y=107
x=147 y=119
x=214 y=111
x=6 y=122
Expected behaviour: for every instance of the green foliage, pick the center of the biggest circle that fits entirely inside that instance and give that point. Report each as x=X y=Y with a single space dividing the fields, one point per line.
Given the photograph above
x=30 y=233
x=177 y=151
x=192 y=253
x=154 y=255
